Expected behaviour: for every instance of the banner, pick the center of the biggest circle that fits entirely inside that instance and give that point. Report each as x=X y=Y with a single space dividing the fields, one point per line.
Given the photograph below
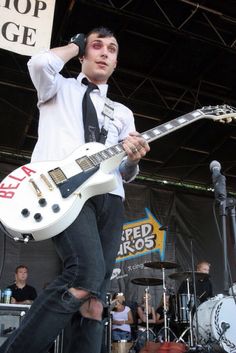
x=26 y=25
x=144 y=240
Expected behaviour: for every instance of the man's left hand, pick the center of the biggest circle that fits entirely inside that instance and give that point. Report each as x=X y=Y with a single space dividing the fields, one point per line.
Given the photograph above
x=135 y=146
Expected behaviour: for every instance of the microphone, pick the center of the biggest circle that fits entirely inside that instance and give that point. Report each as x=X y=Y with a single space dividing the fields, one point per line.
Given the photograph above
x=215 y=167
x=218 y=181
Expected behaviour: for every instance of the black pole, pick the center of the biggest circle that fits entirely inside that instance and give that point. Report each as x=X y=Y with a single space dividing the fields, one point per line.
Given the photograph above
x=221 y=197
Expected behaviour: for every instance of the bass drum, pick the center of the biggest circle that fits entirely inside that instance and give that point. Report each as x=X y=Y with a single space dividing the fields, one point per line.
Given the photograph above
x=213 y=315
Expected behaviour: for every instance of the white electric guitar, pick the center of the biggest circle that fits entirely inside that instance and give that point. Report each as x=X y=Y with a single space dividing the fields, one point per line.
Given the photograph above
x=40 y=200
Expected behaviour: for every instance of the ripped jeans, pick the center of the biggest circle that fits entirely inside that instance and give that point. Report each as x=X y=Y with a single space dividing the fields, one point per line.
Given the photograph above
x=88 y=248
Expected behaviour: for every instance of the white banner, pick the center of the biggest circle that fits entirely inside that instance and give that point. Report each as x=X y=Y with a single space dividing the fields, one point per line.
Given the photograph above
x=26 y=25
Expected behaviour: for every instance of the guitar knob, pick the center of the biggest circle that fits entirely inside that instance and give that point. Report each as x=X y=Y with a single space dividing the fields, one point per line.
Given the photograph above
x=55 y=208
x=42 y=202
x=25 y=212
x=38 y=217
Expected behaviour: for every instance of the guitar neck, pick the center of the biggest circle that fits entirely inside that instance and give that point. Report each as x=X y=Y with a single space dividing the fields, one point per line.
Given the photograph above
x=170 y=126
x=149 y=136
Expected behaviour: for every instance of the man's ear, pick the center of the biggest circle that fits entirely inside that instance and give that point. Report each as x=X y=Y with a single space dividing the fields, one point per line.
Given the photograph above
x=115 y=65
x=81 y=60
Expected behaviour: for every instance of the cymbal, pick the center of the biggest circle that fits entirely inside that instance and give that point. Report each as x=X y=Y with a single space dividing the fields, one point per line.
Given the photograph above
x=188 y=274
x=161 y=264
x=147 y=281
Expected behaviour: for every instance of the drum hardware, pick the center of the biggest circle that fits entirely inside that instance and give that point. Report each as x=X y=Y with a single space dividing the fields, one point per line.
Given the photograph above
x=108 y=322
x=147 y=312
x=189 y=306
x=188 y=274
x=232 y=290
x=142 y=339
x=147 y=282
x=163 y=265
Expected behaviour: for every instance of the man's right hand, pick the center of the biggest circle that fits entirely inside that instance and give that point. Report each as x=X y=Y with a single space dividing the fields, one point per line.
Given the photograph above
x=79 y=39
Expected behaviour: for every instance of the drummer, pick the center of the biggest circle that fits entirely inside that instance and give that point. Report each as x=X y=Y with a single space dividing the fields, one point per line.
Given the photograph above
x=203 y=284
x=142 y=311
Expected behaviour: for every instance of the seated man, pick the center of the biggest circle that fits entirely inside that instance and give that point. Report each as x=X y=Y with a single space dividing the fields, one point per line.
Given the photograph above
x=22 y=293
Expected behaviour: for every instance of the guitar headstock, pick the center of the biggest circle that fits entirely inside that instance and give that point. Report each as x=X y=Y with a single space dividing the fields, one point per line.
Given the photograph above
x=222 y=113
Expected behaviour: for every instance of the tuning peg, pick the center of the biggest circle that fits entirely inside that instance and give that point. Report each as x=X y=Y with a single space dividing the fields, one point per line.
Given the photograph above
x=226 y=120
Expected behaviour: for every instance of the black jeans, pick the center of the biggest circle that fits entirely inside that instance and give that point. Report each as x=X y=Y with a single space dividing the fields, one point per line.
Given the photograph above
x=88 y=248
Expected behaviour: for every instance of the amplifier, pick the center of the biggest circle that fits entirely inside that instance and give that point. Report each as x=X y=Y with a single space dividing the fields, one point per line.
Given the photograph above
x=11 y=316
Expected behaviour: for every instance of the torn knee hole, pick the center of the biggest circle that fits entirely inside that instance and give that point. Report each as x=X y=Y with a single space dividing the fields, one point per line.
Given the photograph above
x=79 y=293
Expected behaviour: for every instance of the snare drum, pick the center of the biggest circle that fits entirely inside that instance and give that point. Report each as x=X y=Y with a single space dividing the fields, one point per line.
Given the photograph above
x=122 y=346
x=213 y=315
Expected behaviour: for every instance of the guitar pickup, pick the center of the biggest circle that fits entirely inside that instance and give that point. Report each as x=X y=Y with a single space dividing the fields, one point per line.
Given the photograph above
x=57 y=176
x=85 y=163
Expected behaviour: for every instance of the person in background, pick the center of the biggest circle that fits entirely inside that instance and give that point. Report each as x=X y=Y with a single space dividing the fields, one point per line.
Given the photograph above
x=160 y=313
x=160 y=320
x=88 y=247
x=122 y=318
x=22 y=293
x=204 y=289
x=142 y=312
x=142 y=333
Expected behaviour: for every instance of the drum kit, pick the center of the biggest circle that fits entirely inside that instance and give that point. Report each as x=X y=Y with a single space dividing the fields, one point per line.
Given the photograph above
x=210 y=325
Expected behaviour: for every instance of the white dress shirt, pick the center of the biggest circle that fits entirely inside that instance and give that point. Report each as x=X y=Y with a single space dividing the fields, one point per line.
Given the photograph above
x=61 y=129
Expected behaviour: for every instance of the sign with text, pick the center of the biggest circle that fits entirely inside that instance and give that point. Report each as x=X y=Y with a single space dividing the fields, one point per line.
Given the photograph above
x=26 y=25
x=141 y=237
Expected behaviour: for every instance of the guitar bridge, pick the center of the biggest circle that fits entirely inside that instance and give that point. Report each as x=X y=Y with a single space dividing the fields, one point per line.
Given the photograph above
x=57 y=176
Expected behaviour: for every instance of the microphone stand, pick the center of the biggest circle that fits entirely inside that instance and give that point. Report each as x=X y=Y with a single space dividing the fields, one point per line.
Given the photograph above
x=221 y=197
x=231 y=202
x=195 y=306
x=226 y=208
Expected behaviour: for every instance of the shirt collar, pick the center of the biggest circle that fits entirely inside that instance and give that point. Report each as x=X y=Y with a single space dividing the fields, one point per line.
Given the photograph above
x=102 y=88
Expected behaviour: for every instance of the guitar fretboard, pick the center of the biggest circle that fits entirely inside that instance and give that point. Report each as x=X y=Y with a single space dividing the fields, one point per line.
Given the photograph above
x=213 y=112
x=149 y=136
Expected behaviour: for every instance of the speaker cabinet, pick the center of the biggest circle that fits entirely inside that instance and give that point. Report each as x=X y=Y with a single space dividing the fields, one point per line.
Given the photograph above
x=11 y=316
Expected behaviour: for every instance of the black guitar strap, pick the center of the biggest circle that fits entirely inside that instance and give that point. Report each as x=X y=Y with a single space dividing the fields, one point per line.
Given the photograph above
x=108 y=112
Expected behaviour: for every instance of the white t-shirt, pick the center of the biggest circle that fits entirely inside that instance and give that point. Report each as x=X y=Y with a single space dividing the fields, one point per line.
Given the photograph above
x=121 y=316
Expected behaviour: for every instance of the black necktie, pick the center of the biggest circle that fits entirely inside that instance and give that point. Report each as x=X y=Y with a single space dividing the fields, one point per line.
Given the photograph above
x=91 y=127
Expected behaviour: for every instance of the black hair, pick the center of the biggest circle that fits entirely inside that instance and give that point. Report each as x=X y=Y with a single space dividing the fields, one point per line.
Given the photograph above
x=102 y=32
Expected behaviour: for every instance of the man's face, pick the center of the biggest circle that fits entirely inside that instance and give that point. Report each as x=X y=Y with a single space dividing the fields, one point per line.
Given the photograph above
x=100 y=58
x=21 y=274
x=204 y=268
